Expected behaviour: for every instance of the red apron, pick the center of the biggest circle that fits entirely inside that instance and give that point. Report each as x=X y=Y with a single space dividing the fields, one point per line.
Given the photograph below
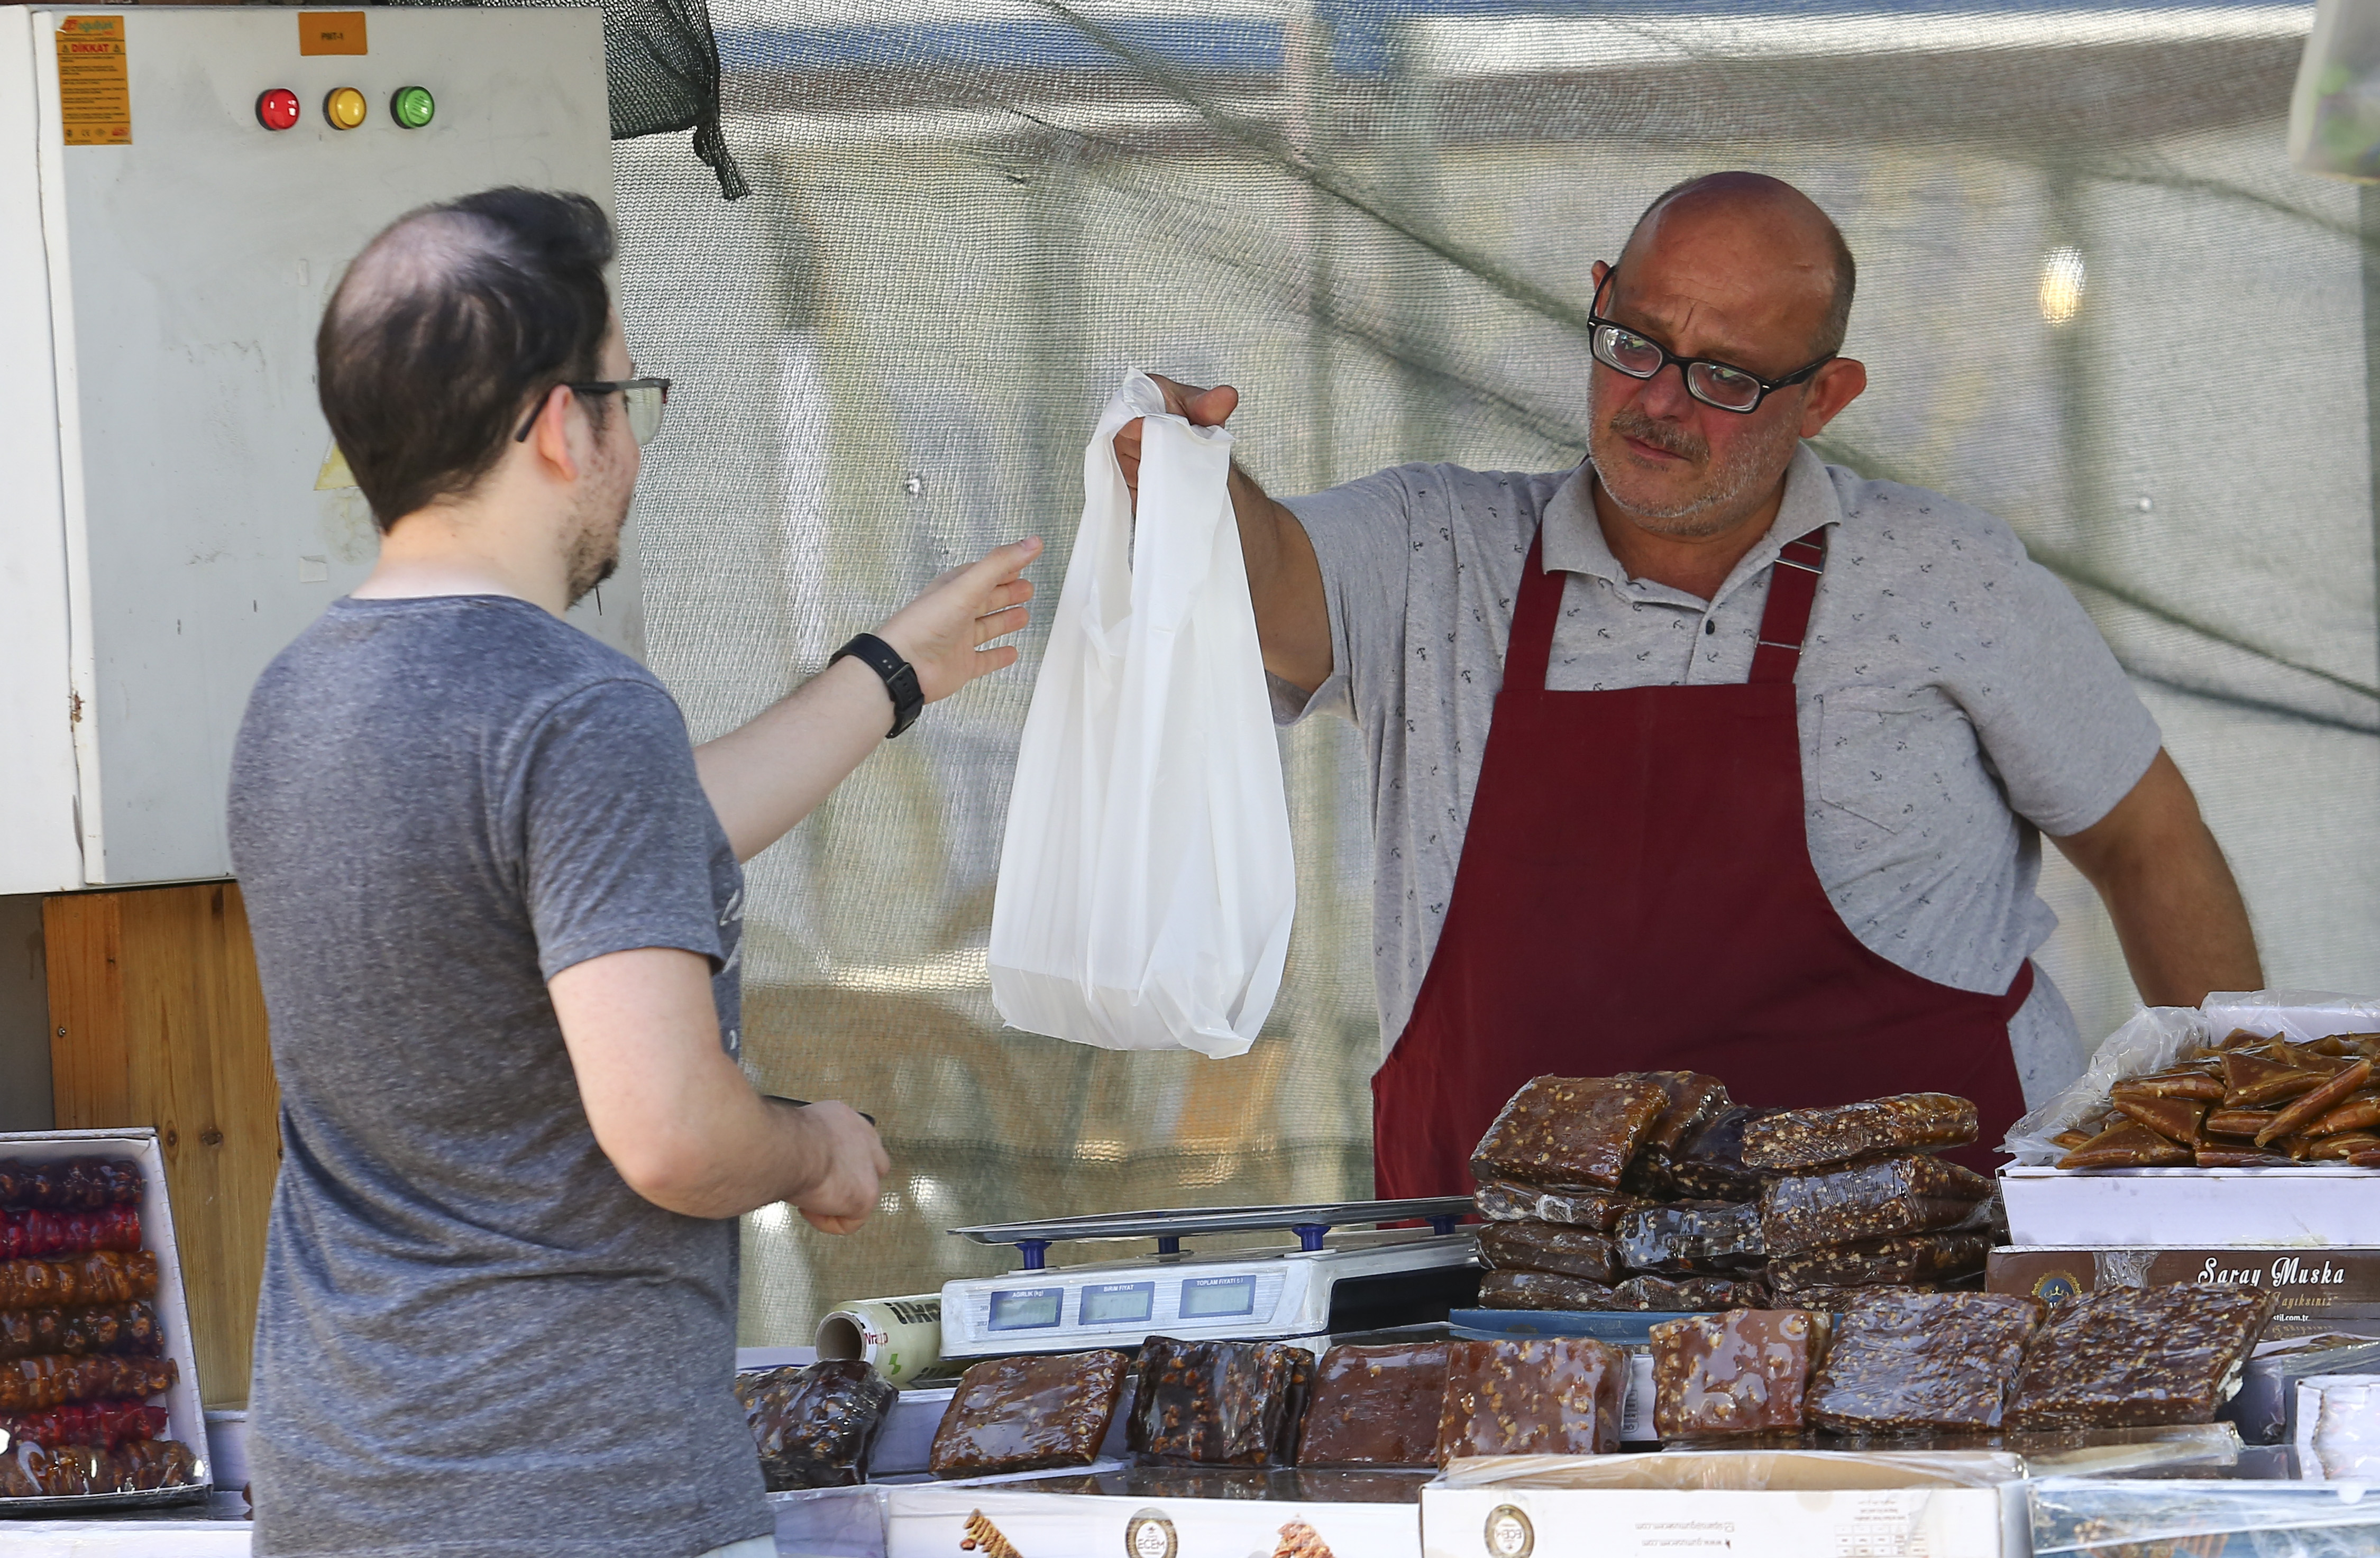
x=1636 y=894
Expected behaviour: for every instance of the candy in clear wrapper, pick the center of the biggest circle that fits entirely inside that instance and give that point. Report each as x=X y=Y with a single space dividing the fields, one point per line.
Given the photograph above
x=69 y=1184
x=816 y=1425
x=1796 y=1140
x=1029 y=1414
x=1218 y=1402
x=1543 y=1290
x=1554 y=1396
x=1502 y=1200
x=1744 y=1371
x=137 y=1465
x=1693 y=1238
x=104 y=1424
x=1545 y=1246
x=34 y=1384
x=1376 y=1405
x=1692 y=1099
x=28 y=1233
x=1909 y=1194
x=1712 y=1167
x=1570 y=1130
x=1540 y=1290
x=1897 y=1261
x=129 y=1329
x=1903 y=1362
x=2137 y=1357
x=101 y=1277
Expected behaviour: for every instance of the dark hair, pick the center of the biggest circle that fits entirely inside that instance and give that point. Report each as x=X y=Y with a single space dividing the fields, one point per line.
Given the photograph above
x=1838 y=323
x=449 y=326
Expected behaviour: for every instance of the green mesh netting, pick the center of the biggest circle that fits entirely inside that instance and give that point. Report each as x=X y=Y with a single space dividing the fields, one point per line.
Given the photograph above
x=2094 y=299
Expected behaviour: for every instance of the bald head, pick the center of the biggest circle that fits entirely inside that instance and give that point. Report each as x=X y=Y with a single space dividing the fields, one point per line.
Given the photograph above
x=1766 y=228
x=449 y=324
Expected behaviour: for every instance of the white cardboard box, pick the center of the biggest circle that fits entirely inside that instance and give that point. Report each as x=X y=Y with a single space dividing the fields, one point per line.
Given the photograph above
x=186 y=1418
x=931 y=1522
x=1790 y=1504
x=2192 y=1208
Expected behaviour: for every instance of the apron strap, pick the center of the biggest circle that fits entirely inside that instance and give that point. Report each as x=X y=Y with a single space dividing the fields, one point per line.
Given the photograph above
x=1538 y=603
x=1792 y=590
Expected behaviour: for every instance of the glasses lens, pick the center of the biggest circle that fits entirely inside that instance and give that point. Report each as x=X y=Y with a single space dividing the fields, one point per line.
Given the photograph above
x=1627 y=352
x=645 y=402
x=1723 y=388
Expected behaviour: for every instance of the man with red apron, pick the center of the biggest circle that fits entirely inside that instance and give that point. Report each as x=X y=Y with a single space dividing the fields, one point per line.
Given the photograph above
x=1706 y=754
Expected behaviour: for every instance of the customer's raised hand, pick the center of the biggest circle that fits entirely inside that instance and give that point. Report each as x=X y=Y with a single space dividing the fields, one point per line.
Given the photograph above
x=947 y=631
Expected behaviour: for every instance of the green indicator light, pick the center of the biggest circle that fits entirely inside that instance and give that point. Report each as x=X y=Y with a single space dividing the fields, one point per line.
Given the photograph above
x=413 y=107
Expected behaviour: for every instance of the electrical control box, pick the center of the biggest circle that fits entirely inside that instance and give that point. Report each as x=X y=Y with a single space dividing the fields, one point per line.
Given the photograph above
x=180 y=188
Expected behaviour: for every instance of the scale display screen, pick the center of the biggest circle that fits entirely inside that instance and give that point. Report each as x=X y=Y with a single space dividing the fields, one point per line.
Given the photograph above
x=1118 y=1303
x=1026 y=1308
x=1213 y=1298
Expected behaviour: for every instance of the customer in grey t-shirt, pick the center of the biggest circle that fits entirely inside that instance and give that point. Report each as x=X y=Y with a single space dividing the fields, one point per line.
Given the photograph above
x=496 y=900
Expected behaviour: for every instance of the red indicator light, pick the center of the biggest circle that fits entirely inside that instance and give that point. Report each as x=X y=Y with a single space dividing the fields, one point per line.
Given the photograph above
x=277 y=110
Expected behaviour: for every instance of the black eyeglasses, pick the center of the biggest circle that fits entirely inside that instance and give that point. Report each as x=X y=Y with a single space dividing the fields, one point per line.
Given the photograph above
x=1712 y=383
x=644 y=399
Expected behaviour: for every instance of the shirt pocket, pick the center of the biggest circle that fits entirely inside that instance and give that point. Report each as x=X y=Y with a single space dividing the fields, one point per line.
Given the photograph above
x=1883 y=751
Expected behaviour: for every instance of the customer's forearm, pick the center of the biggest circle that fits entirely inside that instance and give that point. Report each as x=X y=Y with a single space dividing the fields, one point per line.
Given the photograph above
x=767 y=774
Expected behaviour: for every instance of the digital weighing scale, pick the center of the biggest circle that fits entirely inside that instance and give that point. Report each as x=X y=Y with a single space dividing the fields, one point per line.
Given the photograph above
x=1330 y=1284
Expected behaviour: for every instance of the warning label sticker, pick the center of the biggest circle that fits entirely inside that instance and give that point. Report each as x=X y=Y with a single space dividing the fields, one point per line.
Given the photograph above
x=95 y=83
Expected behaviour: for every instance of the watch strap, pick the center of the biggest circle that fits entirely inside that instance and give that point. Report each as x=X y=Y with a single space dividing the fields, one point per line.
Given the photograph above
x=900 y=677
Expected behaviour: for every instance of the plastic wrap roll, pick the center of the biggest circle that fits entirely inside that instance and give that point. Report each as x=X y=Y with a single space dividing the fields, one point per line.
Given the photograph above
x=901 y=1338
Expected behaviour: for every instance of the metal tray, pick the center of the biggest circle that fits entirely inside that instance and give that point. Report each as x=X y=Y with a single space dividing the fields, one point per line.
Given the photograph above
x=71 y=1504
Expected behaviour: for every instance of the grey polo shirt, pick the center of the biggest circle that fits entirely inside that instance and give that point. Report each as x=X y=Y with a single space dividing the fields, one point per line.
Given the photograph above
x=1955 y=701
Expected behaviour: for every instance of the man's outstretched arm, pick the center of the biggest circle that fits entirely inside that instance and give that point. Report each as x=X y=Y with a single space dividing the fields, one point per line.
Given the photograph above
x=1284 y=577
x=2176 y=908
x=769 y=773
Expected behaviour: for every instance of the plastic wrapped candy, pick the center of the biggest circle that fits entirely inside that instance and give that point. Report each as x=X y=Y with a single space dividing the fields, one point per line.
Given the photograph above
x=1376 y=1405
x=1900 y=1260
x=1699 y=1238
x=1570 y=1130
x=1218 y=1402
x=815 y=1426
x=1712 y=1167
x=1913 y=1195
x=1744 y=1372
x=29 y=1232
x=1923 y=1360
x=1692 y=1099
x=34 y=1384
x=1540 y=1290
x=1553 y=1395
x=2128 y=1358
x=70 y=1183
x=134 y=1466
x=1599 y=1211
x=129 y=1329
x=101 y=1277
x=103 y=1423
x=1029 y=1414
x=1796 y=1140
x=1545 y=1246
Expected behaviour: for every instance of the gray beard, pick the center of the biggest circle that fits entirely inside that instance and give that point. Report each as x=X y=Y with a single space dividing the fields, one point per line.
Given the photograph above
x=1729 y=492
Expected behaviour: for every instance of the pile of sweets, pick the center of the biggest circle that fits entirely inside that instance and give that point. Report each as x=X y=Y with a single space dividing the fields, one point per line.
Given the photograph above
x=2248 y=1102
x=81 y=1354
x=1653 y=1190
x=1893 y=1362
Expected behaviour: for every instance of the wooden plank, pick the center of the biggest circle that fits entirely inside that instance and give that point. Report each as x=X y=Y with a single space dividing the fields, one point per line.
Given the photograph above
x=166 y=1027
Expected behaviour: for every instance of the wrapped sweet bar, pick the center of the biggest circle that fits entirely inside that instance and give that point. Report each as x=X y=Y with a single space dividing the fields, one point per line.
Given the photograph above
x=1218 y=1402
x=1029 y=1414
x=2128 y=1358
x=1376 y=1405
x=1556 y=1395
x=814 y=1425
x=1901 y=1362
x=1744 y=1372
x=1570 y=1130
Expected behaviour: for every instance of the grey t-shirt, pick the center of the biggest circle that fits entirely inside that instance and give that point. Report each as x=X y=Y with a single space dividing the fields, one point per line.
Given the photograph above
x=1955 y=701
x=474 y=1337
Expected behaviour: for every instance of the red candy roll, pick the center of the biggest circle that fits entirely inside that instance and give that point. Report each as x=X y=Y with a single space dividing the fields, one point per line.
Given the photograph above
x=29 y=1232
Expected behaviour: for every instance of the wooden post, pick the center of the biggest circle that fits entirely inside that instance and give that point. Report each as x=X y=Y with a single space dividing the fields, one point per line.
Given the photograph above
x=156 y=1019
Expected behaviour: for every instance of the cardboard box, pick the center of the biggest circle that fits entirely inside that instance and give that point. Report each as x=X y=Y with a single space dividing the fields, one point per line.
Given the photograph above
x=2321 y=1290
x=2293 y=1208
x=932 y=1521
x=1741 y=1504
x=186 y=1418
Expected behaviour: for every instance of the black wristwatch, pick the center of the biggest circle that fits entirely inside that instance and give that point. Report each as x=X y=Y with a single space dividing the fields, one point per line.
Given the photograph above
x=900 y=678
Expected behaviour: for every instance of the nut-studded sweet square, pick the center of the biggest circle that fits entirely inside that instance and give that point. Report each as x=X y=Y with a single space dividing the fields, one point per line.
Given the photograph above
x=1570 y=1130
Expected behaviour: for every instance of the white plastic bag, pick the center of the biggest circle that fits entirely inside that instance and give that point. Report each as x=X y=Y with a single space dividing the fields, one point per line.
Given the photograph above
x=1145 y=884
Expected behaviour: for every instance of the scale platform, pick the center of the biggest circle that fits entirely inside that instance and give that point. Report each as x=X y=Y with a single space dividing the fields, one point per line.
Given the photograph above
x=1330 y=1282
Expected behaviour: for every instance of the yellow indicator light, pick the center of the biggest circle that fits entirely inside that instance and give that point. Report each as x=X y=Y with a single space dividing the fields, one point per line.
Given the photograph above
x=345 y=108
